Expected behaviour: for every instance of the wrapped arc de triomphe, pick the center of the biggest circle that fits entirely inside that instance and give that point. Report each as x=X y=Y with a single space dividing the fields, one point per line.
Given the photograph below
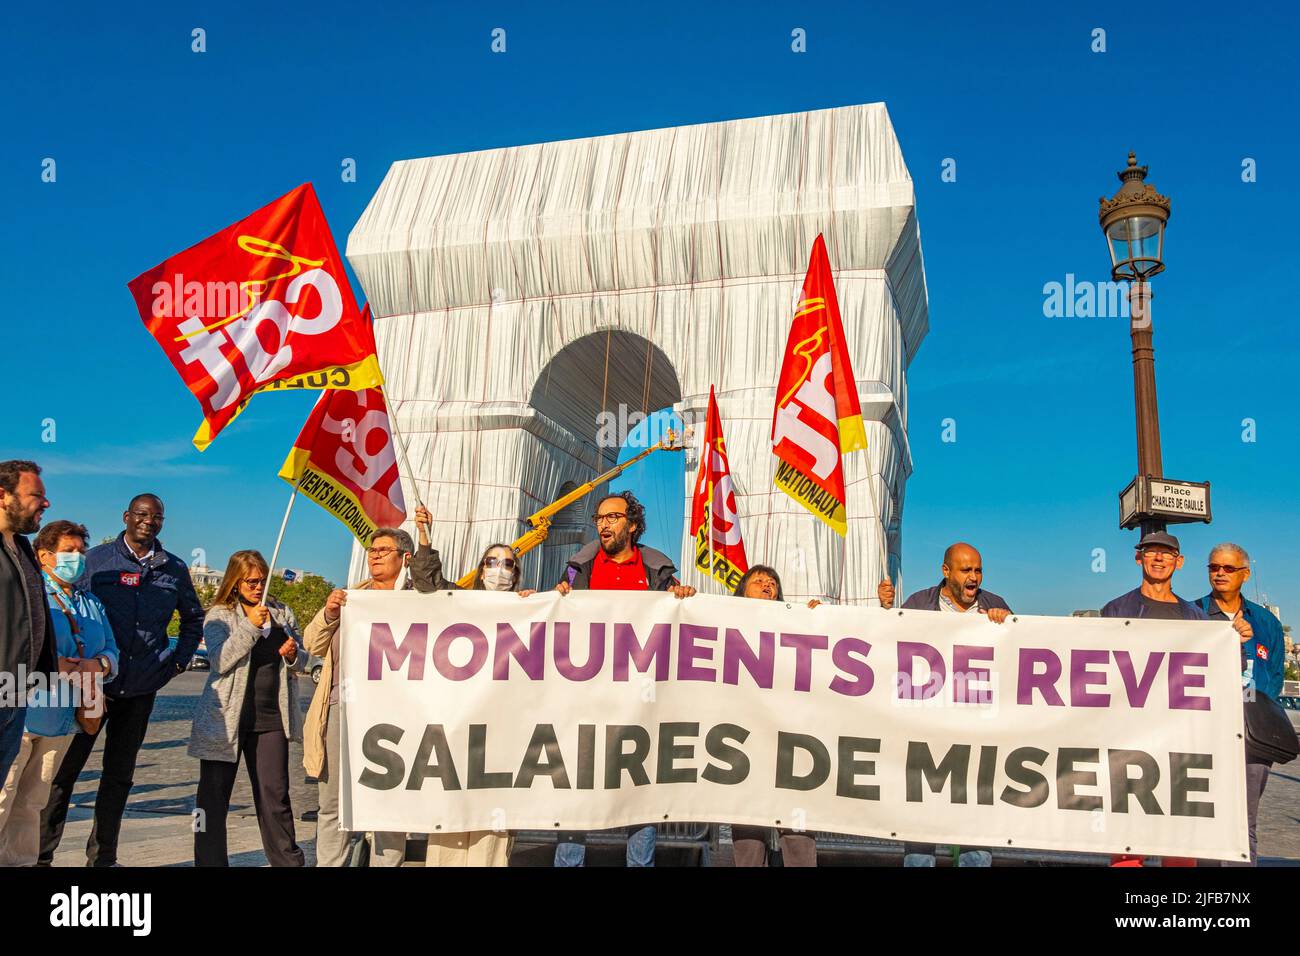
x=520 y=292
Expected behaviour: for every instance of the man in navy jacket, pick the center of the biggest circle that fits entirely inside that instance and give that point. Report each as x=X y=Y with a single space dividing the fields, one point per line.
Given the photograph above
x=140 y=586
x=958 y=591
x=1159 y=557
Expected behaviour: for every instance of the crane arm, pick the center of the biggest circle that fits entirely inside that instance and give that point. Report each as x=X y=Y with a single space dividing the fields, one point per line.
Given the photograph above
x=540 y=520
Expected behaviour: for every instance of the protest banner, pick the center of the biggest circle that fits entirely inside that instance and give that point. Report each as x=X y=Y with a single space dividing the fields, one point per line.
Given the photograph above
x=472 y=711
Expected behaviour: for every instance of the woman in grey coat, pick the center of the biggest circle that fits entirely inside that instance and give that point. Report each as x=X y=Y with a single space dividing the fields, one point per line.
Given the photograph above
x=250 y=706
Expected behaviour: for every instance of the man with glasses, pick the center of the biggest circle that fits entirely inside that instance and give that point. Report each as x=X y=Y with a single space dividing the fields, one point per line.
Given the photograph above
x=26 y=634
x=1159 y=557
x=617 y=562
x=1263 y=654
x=141 y=586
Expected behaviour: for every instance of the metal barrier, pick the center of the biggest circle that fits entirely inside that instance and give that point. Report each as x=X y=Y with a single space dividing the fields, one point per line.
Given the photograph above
x=706 y=836
x=701 y=836
x=846 y=843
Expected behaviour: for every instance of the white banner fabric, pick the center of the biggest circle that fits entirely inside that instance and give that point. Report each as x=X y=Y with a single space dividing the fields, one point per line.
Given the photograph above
x=480 y=711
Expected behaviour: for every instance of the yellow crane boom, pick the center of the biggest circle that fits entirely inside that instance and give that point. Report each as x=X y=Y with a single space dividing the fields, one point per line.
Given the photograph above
x=540 y=521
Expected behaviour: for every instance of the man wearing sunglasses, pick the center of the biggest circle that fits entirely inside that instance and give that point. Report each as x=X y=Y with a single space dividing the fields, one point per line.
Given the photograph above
x=616 y=561
x=141 y=586
x=1263 y=653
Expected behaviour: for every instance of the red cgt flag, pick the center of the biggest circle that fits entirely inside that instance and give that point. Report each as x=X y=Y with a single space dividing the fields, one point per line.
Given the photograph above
x=817 y=412
x=347 y=463
x=715 y=522
x=263 y=304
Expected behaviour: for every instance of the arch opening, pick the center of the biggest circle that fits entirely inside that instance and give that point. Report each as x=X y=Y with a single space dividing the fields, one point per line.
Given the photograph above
x=598 y=389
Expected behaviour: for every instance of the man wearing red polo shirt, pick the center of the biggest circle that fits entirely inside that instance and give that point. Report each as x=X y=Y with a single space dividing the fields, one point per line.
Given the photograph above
x=616 y=562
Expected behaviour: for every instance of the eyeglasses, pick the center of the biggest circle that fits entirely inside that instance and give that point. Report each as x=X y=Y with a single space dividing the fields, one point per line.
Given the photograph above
x=381 y=552
x=609 y=517
x=254 y=582
x=145 y=516
x=1230 y=569
x=507 y=563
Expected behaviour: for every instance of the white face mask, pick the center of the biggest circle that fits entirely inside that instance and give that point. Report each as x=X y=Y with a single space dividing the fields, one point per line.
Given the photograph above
x=498 y=579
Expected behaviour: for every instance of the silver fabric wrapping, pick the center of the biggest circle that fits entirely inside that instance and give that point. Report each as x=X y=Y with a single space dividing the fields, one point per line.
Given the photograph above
x=520 y=292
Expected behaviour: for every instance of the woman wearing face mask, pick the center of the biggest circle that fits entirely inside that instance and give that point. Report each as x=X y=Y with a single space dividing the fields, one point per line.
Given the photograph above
x=88 y=655
x=250 y=706
x=498 y=570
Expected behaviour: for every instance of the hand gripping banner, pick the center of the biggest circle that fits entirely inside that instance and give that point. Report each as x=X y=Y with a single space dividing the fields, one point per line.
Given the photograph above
x=468 y=710
x=263 y=304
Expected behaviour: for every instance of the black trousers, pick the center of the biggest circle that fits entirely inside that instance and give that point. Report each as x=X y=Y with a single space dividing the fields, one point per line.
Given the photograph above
x=126 y=721
x=266 y=754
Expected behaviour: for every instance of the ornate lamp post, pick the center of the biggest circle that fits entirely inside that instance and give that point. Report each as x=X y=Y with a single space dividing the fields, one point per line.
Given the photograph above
x=1133 y=221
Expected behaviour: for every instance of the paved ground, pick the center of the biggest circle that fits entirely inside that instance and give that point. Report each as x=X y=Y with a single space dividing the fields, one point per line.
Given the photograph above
x=157 y=830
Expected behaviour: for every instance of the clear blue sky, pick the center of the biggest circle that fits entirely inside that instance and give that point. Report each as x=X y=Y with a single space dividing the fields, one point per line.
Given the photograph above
x=157 y=147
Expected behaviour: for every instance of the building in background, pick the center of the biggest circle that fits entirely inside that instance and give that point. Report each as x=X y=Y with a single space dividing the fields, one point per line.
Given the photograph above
x=522 y=296
x=204 y=576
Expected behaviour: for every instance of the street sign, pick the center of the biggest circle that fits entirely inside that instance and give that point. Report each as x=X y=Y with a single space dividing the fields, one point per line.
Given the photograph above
x=1164 y=499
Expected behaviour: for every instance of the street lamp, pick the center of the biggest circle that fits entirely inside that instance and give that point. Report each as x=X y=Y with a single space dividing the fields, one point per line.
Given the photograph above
x=1133 y=222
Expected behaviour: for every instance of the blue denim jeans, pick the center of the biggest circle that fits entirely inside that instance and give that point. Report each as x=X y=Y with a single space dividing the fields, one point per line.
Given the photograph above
x=571 y=850
x=12 y=720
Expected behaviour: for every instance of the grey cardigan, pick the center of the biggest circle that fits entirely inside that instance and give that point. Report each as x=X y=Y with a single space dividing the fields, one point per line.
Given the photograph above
x=230 y=637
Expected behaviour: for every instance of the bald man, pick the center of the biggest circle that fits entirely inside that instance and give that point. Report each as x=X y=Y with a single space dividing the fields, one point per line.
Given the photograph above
x=958 y=592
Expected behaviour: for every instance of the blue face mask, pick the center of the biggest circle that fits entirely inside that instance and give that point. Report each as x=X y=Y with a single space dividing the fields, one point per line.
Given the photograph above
x=68 y=566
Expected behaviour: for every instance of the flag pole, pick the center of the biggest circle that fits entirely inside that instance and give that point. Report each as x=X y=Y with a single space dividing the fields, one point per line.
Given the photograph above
x=884 y=544
x=708 y=526
x=400 y=442
x=279 y=538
